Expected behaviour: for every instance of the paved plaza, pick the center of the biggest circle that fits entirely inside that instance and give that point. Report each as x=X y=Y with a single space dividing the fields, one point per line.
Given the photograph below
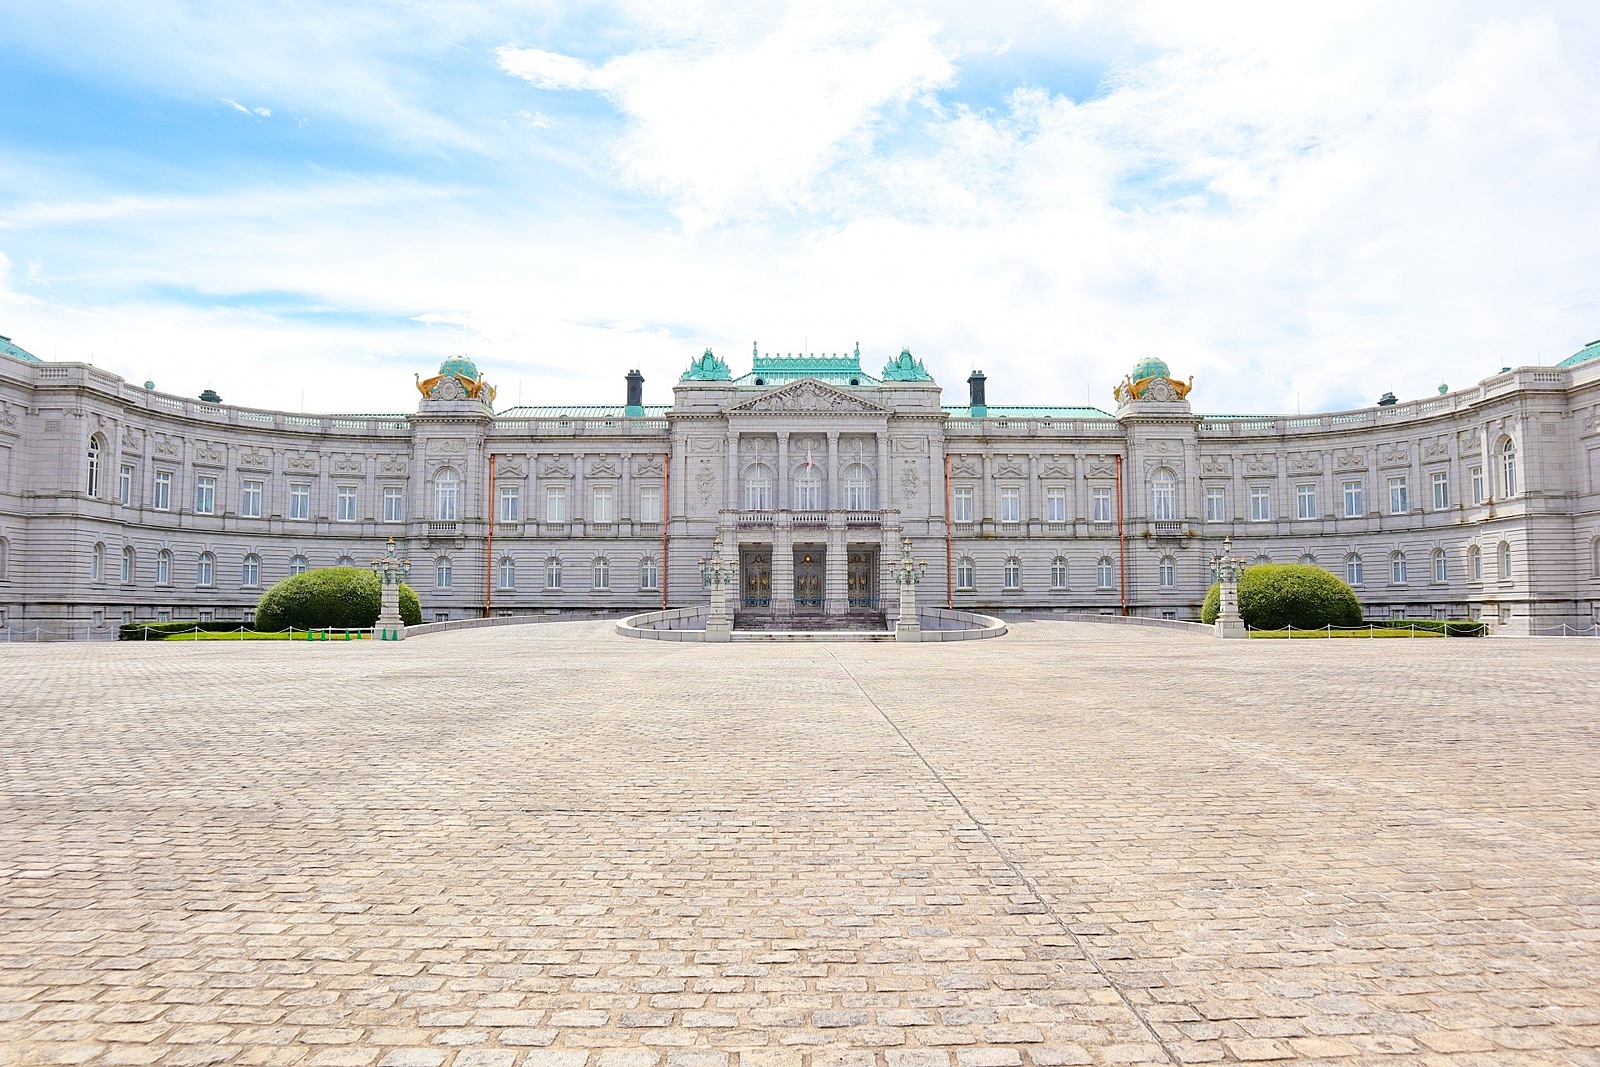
x=549 y=846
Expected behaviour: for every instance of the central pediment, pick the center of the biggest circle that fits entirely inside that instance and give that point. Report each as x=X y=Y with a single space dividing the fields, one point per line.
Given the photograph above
x=810 y=396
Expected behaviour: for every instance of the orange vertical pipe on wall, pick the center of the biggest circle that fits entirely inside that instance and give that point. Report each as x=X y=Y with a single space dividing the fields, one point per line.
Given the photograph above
x=949 y=552
x=1122 y=541
x=488 y=549
x=666 y=515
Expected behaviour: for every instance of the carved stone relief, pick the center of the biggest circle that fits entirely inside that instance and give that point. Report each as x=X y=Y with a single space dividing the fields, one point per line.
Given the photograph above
x=349 y=463
x=910 y=480
x=1350 y=459
x=212 y=454
x=168 y=446
x=705 y=481
x=965 y=466
x=1305 y=463
x=644 y=465
x=255 y=458
x=603 y=468
x=807 y=396
x=1393 y=455
x=510 y=467
x=1260 y=464
x=300 y=461
x=394 y=464
x=555 y=468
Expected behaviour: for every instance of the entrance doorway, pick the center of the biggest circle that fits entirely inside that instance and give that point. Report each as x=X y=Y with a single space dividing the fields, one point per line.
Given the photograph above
x=755 y=583
x=862 y=579
x=808 y=577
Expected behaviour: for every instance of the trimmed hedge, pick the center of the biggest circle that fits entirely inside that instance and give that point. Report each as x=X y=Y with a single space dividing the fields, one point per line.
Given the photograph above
x=1275 y=595
x=155 y=631
x=1448 y=627
x=331 y=596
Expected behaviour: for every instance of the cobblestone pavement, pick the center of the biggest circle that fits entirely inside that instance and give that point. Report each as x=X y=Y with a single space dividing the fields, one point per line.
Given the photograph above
x=549 y=846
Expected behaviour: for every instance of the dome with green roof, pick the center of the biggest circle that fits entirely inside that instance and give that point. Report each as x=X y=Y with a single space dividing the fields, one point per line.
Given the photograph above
x=459 y=366
x=1150 y=367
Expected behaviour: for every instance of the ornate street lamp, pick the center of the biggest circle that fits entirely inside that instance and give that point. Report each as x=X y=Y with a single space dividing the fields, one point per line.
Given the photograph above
x=1228 y=568
x=907 y=573
x=719 y=575
x=391 y=572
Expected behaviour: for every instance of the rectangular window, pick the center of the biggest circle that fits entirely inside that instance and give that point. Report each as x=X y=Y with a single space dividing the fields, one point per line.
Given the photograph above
x=1353 y=505
x=1305 y=501
x=1010 y=504
x=394 y=504
x=163 y=500
x=300 y=500
x=346 y=503
x=555 y=503
x=1354 y=572
x=650 y=505
x=1260 y=503
x=1441 y=490
x=125 y=485
x=1055 y=504
x=250 y=500
x=1100 y=498
x=1476 y=474
x=206 y=615
x=1399 y=503
x=1216 y=504
x=962 y=504
x=510 y=504
x=605 y=508
x=205 y=496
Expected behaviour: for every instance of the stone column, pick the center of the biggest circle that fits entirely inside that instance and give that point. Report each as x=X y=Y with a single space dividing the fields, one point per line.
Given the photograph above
x=836 y=568
x=731 y=490
x=783 y=502
x=833 y=471
x=880 y=498
x=782 y=566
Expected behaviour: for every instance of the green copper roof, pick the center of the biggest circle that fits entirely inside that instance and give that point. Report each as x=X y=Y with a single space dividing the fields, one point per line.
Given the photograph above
x=576 y=411
x=1027 y=412
x=459 y=365
x=17 y=352
x=1583 y=355
x=835 y=369
x=1150 y=367
x=905 y=369
x=708 y=368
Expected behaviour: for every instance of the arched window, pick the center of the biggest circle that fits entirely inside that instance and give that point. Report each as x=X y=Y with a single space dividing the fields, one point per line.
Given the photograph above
x=345 y=561
x=205 y=571
x=1261 y=560
x=1505 y=561
x=1475 y=563
x=1594 y=558
x=805 y=491
x=446 y=495
x=1163 y=496
x=250 y=572
x=1013 y=573
x=1397 y=568
x=552 y=573
x=649 y=573
x=1441 y=567
x=1354 y=572
x=1508 y=467
x=96 y=450
x=758 y=487
x=5 y=558
x=857 y=488
x=965 y=574
x=1308 y=560
x=508 y=573
x=299 y=565
x=127 y=563
x=1058 y=573
x=163 y=567
x=1102 y=573
x=97 y=562
x=602 y=572
x=444 y=573
x=1167 y=572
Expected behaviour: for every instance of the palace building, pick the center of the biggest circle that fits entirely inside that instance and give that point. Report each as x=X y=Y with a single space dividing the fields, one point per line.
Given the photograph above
x=120 y=503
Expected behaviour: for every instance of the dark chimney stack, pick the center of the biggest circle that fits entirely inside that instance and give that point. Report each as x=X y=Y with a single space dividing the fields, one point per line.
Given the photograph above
x=975 y=385
x=635 y=393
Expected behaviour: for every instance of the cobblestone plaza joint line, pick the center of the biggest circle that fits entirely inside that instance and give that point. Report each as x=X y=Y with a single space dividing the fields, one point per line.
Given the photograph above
x=550 y=846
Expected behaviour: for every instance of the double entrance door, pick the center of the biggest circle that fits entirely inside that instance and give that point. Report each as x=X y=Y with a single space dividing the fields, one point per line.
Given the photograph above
x=809 y=590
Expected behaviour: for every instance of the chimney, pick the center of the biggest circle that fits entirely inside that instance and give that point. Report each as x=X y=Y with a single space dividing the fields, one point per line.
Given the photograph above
x=635 y=406
x=975 y=385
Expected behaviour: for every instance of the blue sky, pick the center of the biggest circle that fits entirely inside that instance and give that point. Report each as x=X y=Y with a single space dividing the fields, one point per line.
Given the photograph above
x=303 y=203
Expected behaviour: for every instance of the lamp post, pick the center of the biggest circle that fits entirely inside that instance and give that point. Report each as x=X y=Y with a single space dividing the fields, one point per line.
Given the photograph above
x=391 y=572
x=719 y=574
x=1228 y=567
x=907 y=573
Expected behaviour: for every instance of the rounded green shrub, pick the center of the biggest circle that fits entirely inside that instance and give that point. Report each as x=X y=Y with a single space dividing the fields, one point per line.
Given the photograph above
x=332 y=596
x=1275 y=595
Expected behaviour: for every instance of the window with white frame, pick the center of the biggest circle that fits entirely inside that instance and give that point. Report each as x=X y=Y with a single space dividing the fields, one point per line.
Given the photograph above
x=649 y=573
x=446 y=495
x=345 y=504
x=1508 y=467
x=805 y=492
x=1260 y=503
x=1261 y=560
x=1167 y=573
x=205 y=571
x=510 y=503
x=127 y=564
x=555 y=503
x=1216 y=504
x=650 y=504
x=1354 y=572
x=602 y=573
x=1307 y=559
x=1102 y=573
x=603 y=504
x=300 y=501
x=508 y=573
x=1441 y=490
x=857 y=488
x=1441 y=567
x=1505 y=561
x=394 y=504
x=250 y=571
x=205 y=495
x=1163 y=496
x=1012 y=574
x=97 y=562
x=1305 y=501
x=1055 y=504
x=966 y=574
x=1058 y=573
x=1475 y=563
x=444 y=572
x=1354 y=506
x=164 y=567
x=344 y=561
x=125 y=485
x=163 y=494
x=1475 y=475
x=1010 y=504
x=92 y=482
x=758 y=488
x=250 y=498
x=961 y=504
x=552 y=573
x=298 y=565
x=1399 y=499
x=1100 y=503
x=1397 y=568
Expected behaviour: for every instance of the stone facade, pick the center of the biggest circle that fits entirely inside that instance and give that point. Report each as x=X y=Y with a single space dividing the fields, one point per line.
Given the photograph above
x=120 y=503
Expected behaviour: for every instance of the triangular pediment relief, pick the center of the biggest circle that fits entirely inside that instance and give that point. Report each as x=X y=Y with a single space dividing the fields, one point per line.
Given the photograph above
x=810 y=396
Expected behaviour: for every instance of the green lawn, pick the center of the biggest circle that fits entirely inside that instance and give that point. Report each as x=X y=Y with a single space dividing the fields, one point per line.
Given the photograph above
x=1363 y=632
x=251 y=635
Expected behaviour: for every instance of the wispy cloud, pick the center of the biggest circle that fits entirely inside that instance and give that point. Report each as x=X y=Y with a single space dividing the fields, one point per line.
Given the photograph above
x=258 y=112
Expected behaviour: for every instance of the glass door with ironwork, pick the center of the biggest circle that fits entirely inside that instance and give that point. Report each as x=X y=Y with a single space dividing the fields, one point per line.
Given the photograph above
x=755 y=587
x=862 y=579
x=808 y=578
